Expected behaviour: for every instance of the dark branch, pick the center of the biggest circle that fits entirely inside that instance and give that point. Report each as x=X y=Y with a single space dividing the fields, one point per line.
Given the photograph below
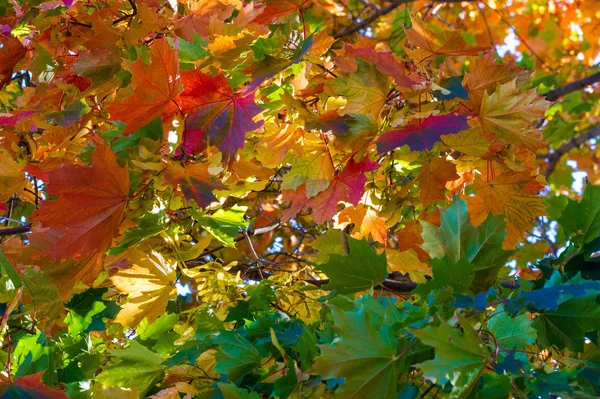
x=554 y=157
x=11 y=231
x=557 y=93
x=384 y=11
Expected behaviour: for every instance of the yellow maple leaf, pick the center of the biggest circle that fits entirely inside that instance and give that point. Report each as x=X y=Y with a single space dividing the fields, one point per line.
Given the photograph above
x=149 y=282
x=433 y=178
x=12 y=179
x=469 y=142
x=508 y=116
x=407 y=262
x=513 y=194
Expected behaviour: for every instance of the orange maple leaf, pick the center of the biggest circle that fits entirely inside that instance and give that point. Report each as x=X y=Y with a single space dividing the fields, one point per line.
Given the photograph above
x=444 y=43
x=513 y=194
x=156 y=85
x=91 y=200
x=433 y=178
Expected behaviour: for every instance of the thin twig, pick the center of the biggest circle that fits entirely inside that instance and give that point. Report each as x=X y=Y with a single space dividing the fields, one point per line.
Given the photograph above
x=580 y=84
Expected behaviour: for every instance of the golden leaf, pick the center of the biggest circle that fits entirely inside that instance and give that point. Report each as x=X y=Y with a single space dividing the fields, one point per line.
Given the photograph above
x=514 y=194
x=508 y=116
x=149 y=282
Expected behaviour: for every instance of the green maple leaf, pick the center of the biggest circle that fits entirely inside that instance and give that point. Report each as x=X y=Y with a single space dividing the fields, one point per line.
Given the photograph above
x=511 y=333
x=365 y=355
x=457 y=238
x=459 y=358
x=360 y=270
x=236 y=356
x=450 y=273
x=138 y=366
x=566 y=326
x=583 y=217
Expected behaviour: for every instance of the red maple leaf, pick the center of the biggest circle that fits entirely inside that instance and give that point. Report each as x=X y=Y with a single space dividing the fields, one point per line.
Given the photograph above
x=215 y=114
x=424 y=136
x=348 y=186
x=91 y=200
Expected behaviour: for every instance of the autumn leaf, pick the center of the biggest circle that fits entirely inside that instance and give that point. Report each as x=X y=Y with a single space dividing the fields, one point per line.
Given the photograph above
x=312 y=168
x=424 y=136
x=442 y=43
x=195 y=181
x=507 y=116
x=149 y=284
x=485 y=74
x=512 y=194
x=365 y=90
x=385 y=62
x=408 y=262
x=215 y=114
x=90 y=203
x=348 y=186
x=155 y=86
x=469 y=142
x=11 y=52
x=433 y=178
x=199 y=17
x=12 y=178
x=30 y=386
x=367 y=221
x=274 y=9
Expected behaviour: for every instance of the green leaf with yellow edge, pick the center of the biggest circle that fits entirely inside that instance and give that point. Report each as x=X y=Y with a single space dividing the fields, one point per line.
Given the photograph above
x=236 y=356
x=459 y=358
x=360 y=270
x=508 y=116
x=313 y=169
x=365 y=355
x=365 y=90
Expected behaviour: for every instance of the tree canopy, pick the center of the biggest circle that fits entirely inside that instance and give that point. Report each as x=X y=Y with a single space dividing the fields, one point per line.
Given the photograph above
x=299 y=199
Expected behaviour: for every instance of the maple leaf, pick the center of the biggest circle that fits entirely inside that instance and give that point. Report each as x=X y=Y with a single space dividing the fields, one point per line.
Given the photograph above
x=365 y=90
x=507 y=116
x=385 y=62
x=443 y=43
x=199 y=18
x=30 y=386
x=91 y=200
x=215 y=114
x=195 y=182
x=149 y=283
x=485 y=74
x=424 y=136
x=512 y=194
x=155 y=86
x=433 y=178
x=314 y=169
x=469 y=142
x=366 y=219
x=348 y=186
x=11 y=52
x=275 y=9
x=12 y=178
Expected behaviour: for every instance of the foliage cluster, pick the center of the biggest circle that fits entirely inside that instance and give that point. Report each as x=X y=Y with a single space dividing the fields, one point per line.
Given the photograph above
x=299 y=199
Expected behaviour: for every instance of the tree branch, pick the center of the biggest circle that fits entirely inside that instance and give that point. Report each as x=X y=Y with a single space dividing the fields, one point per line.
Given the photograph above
x=11 y=231
x=554 y=157
x=557 y=93
x=384 y=11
